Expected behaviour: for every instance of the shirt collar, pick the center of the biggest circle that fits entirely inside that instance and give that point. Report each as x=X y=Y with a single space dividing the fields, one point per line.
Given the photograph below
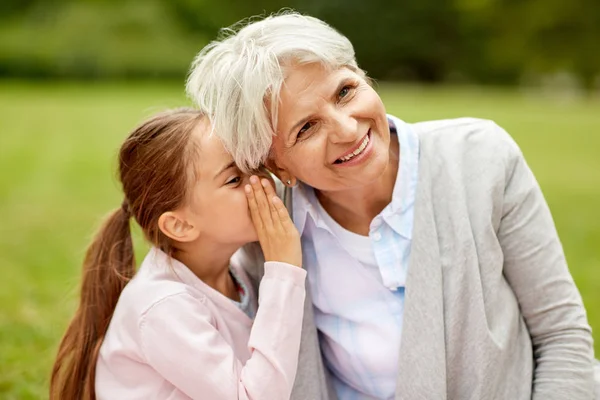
x=304 y=205
x=403 y=196
x=304 y=199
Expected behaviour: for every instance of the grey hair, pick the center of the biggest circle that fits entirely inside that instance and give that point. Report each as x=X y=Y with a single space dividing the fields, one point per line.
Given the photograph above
x=237 y=78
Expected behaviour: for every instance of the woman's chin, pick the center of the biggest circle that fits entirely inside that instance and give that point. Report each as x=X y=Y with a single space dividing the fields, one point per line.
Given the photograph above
x=372 y=170
x=354 y=179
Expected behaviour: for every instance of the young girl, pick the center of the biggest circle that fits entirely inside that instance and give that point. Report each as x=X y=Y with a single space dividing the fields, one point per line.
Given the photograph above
x=186 y=325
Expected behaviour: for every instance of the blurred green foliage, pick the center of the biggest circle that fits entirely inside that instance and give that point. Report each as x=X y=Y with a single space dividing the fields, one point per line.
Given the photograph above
x=95 y=39
x=497 y=41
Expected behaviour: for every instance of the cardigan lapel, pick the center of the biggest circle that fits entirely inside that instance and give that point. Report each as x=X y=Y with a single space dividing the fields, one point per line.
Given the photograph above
x=312 y=379
x=422 y=361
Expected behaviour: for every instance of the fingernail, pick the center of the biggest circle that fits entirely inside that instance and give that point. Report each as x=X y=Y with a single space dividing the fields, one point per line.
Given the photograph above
x=265 y=182
x=254 y=179
x=248 y=189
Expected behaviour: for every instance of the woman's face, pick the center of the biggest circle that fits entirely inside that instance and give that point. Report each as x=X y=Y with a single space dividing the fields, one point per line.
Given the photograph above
x=332 y=129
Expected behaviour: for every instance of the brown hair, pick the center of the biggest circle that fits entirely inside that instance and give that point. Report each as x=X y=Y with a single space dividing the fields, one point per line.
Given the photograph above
x=155 y=164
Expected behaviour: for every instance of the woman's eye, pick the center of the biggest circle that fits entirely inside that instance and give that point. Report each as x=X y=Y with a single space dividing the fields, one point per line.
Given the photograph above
x=304 y=128
x=345 y=91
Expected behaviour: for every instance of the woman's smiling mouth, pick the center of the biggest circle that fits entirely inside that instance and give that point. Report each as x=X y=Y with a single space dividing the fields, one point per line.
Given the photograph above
x=359 y=150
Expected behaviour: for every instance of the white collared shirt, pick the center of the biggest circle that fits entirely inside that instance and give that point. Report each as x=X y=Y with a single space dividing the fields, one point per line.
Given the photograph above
x=357 y=282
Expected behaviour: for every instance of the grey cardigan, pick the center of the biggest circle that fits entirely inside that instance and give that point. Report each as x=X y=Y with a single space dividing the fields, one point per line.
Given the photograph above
x=491 y=310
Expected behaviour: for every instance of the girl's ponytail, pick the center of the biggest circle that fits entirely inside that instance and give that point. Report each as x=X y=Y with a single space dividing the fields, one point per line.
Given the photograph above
x=156 y=164
x=109 y=264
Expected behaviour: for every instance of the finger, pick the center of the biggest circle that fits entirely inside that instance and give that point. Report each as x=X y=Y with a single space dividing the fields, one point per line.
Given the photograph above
x=261 y=202
x=254 y=213
x=270 y=193
x=282 y=213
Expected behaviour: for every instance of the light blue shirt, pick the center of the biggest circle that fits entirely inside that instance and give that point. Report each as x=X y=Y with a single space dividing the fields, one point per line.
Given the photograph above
x=357 y=282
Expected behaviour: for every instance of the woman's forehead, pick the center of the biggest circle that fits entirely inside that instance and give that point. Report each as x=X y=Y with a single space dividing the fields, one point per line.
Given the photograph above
x=306 y=86
x=306 y=78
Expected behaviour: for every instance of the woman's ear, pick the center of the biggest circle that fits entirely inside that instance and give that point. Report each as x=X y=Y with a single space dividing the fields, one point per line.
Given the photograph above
x=280 y=172
x=176 y=227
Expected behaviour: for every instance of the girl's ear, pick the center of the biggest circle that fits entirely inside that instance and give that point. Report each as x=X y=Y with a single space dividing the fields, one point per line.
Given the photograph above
x=175 y=226
x=280 y=172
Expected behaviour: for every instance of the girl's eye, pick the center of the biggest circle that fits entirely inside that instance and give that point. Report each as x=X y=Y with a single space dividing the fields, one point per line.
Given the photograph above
x=233 y=180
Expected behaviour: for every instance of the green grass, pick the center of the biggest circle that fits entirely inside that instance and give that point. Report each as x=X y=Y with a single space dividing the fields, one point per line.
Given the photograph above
x=57 y=156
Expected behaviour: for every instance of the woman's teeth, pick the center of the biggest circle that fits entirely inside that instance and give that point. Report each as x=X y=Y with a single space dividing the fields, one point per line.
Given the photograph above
x=356 y=152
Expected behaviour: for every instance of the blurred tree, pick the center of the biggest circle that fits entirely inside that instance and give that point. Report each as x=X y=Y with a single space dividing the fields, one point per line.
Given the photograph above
x=567 y=38
x=412 y=39
x=11 y=7
x=96 y=39
x=497 y=41
x=210 y=16
x=514 y=38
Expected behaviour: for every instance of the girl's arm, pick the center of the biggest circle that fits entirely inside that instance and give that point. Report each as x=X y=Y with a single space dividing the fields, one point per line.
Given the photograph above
x=536 y=269
x=181 y=340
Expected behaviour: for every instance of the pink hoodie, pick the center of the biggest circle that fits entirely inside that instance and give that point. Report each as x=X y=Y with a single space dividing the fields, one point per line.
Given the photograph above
x=174 y=337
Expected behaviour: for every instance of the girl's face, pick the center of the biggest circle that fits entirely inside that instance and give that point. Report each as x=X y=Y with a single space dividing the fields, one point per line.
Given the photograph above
x=332 y=129
x=218 y=206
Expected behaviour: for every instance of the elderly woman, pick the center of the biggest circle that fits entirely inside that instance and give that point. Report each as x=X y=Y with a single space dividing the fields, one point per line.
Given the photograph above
x=435 y=270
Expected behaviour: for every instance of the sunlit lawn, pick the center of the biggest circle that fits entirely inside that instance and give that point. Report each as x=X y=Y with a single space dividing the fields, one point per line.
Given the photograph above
x=57 y=160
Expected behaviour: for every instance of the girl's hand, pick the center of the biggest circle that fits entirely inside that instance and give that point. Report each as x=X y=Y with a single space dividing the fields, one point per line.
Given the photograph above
x=278 y=237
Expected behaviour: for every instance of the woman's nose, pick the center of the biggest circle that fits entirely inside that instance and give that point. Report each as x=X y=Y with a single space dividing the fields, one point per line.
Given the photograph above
x=344 y=128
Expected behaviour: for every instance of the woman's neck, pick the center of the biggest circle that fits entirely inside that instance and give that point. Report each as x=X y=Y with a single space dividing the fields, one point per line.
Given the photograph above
x=355 y=209
x=210 y=263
